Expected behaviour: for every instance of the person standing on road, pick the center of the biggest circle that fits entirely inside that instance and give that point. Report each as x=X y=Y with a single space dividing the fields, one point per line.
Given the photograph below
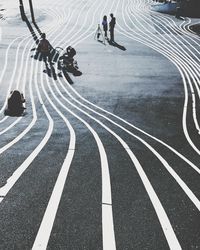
x=44 y=47
x=105 y=26
x=111 y=27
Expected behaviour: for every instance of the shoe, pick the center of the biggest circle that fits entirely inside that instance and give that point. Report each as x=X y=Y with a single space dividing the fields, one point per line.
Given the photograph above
x=60 y=74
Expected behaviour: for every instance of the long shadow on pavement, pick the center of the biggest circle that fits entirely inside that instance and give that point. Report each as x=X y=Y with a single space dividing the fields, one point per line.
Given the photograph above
x=54 y=54
x=117 y=45
x=31 y=31
x=38 y=29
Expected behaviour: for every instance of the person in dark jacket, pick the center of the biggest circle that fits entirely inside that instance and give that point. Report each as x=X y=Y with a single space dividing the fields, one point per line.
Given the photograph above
x=15 y=105
x=67 y=60
x=105 y=26
x=44 y=47
x=111 y=27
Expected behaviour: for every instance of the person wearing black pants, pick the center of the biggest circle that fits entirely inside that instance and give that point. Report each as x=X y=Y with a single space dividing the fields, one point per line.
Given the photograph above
x=44 y=47
x=111 y=27
x=105 y=26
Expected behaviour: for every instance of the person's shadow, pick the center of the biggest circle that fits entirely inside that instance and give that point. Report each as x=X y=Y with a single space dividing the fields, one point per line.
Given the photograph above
x=117 y=45
x=54 y=53
x=50 y=71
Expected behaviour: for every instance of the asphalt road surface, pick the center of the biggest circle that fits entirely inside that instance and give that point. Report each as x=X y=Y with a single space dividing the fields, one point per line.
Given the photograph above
x=112 y=160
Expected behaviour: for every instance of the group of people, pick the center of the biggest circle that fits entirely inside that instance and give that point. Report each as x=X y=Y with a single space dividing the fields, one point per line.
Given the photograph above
x=46 y=50
x=111 y=27
x=16 y=100
x=45 y=47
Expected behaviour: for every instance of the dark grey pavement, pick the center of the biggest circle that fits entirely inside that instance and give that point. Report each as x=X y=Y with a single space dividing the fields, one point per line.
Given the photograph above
x=137 y=84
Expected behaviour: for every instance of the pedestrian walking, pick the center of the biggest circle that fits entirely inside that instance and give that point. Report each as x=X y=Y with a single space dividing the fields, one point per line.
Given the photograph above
x=105 y=26
x=44 y=47
x=111 y=27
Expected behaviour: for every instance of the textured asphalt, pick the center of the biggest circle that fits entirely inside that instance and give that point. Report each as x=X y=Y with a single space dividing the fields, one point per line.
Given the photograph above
x=141 y=86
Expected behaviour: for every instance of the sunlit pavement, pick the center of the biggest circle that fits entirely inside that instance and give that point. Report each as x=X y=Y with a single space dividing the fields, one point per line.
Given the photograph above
x=112 y=160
